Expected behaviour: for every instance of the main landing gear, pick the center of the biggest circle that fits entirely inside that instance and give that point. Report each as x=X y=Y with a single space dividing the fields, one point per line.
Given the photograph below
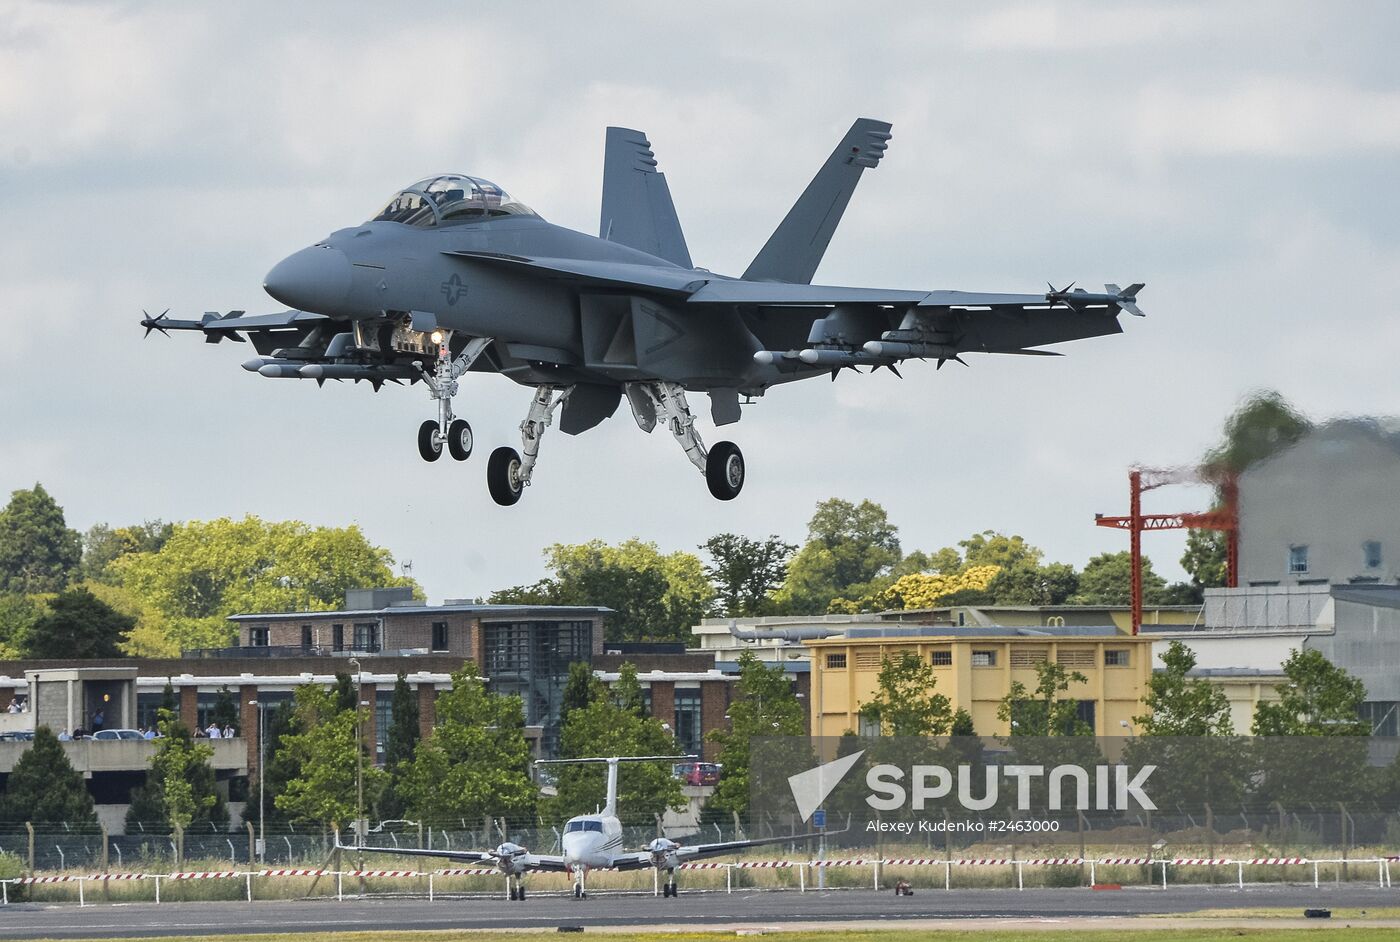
x=723 y=465
x=448 y=430
x=507 y=473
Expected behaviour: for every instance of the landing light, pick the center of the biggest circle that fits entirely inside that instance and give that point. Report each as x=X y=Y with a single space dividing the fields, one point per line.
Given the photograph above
x=436 y=336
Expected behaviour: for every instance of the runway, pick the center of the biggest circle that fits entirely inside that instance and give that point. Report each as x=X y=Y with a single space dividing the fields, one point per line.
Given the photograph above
x=849 y=908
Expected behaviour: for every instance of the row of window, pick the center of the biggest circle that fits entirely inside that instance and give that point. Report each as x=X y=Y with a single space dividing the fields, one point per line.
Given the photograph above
x=366 y=636
x=1371 y=555
x=1020 y=657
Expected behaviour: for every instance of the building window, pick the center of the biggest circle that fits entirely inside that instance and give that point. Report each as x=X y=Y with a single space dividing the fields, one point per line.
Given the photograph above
x=869 y=726
x=439 y=636
x=1297 y=559
x=1084 y=713
x=383 y=721
x=257 y=636
x=689 y=735
x=868 y=661
x=1116 y=657
x=306 y=637
x=148 y=708
x=367 y=636
x=836 y=662
x=941 y=657
x=962 y=619
x=1382 y=715
x=1372 y=549
x=984 y=659
x=1076 y=657
x=1027 y=657
x=531 y=659
x=337 y=637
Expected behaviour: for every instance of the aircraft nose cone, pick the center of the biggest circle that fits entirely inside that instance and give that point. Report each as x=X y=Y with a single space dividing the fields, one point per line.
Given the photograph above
x=315 y=279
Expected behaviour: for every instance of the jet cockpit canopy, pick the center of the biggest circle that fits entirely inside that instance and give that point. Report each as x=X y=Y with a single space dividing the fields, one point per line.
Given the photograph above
x=448 y=200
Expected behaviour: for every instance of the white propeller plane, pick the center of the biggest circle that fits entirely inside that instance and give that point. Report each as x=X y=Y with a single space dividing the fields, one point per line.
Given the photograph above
x=592 y=842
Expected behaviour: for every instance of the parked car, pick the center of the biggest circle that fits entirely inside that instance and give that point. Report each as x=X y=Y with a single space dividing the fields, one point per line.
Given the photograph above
x=22 y=735
x=697 y=773
x=109 y=734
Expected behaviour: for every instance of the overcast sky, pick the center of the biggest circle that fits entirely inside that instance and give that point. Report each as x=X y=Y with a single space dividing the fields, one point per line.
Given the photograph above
x=1240 y=158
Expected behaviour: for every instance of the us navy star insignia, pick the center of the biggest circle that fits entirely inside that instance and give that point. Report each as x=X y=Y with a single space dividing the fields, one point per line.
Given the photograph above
x=453 y=289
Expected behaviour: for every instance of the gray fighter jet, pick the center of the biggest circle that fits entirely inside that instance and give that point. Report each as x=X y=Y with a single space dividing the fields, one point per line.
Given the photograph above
x=455 y=274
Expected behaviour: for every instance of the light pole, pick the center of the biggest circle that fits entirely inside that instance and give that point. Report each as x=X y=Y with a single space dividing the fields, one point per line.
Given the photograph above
x=359 y=764
x=262 y=781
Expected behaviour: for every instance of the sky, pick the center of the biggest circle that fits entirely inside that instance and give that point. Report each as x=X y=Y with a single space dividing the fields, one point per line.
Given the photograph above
x=1239 y=158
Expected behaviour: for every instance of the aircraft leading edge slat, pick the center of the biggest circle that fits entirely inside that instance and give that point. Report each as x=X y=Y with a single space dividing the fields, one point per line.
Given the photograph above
x=454 y=274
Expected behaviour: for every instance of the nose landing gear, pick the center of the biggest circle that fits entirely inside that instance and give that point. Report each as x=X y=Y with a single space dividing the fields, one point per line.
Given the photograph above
x=448 y=430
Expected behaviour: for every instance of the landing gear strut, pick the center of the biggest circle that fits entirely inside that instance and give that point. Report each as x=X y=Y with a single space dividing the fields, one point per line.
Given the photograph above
x=723 y=465
x=507 y=473
x=580 y=890
x=515 y=886
x=669 y=887
x=455 y=433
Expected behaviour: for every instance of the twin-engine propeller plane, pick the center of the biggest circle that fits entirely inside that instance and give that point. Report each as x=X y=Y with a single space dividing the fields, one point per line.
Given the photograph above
x=455 y=274
x=593 y=842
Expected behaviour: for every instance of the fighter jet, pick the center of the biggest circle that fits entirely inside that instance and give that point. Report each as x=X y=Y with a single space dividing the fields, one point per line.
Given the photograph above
x=592 y=842
x=455 y=274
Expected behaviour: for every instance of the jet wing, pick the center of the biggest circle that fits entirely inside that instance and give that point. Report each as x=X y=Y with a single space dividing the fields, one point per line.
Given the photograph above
x=532 y=861
x=677 y=281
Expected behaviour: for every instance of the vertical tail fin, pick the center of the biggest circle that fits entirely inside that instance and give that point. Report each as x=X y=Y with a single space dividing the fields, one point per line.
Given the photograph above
x=611 y=806
x=637 y=207
x=796 y=247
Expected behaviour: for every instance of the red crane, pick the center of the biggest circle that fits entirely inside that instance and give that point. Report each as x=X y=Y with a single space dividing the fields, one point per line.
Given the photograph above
x=1226 y=518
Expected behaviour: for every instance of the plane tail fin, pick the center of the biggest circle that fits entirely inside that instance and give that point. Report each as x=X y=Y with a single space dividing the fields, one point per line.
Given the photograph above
x=795 y=249
x=637 y=207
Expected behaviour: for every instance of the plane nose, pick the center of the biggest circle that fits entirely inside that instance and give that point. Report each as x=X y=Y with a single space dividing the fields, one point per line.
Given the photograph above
x=315 y=279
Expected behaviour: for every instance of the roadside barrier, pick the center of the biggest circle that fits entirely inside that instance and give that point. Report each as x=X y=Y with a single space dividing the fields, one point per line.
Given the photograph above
x=1383 y=876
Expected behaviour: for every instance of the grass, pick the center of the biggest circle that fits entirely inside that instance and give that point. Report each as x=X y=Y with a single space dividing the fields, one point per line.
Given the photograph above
x=978 y=935
x=1345 y=913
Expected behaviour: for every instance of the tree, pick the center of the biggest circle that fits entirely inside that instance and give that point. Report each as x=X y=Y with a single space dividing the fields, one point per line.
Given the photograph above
x=225 y=711
x=1051 y=584
x=180 y=788
x=476 y=763
x=102 y=544
x=1261 y=426
x=283 y=765
x=45 y=789
x=78 y=625
x=1204 y=559
x=923 y=590
x=851 y=552
x=1178 y=705
x=614 y=724
x=18 y=615
x=400 y=744
x=907 y=704
x=38 y=552
x=324 y=789
x=1045 y=711
x=746 y=572
x=581 y=689
x=765 y=705
x=208 y=570
x=653 y=595
x=1107 y=580
x=1318 y=699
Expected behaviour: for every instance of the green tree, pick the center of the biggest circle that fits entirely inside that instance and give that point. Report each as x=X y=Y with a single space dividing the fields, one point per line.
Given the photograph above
x=746 y=572
x=180 y=788
x=400 y=744
x=102 y=544
x=907 y=704
x=324 y=790
x=282 y=765
x=476 y=763
x=19 y=614
x=765 y=705
x=1318 y=699
x=581 y=689
x=615 y=725
x=225 y=711
x=1107 y=580
x=1179 y=705
x=1045 y=711
x=654 y=595
x=208 y=570
x=851 y=552
x=1261 y=426
x=1204 y=559
x=78 y=625
x=45 y=789
x=1021 y=584
x=38 y=552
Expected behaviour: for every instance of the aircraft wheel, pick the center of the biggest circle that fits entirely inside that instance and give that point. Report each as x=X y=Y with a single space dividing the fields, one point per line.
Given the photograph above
x=459 y=439
x=724 y=471
x=503 y=476
x=514 y=894
x=520 y=893
x=429 y=441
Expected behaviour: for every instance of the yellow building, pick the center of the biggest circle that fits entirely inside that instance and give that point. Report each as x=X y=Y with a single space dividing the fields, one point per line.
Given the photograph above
x=975 y=668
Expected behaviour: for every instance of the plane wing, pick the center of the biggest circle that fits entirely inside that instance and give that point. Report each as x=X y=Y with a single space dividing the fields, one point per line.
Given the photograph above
x=674 y=281
x=544 y=862
x=686 y=853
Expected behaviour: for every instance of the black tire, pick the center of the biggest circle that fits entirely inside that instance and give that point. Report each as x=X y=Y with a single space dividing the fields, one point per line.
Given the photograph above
x=429 y=442
x=503 y=476
x=724 y=471
x=459 y=439
x=520 y=893
x=512 y=894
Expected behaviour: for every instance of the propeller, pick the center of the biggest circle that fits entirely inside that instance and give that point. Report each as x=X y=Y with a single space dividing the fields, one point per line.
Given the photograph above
x=153 y=323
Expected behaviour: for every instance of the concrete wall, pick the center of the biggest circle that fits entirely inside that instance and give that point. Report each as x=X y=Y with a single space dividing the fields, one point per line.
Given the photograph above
x=1332 y=491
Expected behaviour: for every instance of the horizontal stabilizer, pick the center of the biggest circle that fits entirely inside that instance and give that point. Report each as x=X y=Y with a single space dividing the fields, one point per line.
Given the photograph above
x=796 y=247
x=637 y=207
